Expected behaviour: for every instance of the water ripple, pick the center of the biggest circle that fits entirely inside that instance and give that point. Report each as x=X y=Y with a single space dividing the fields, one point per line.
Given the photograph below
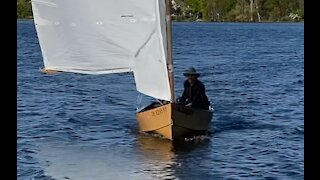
x=74 y=126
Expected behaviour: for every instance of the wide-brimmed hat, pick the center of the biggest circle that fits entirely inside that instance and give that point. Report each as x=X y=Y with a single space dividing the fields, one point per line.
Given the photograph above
x=191 y=71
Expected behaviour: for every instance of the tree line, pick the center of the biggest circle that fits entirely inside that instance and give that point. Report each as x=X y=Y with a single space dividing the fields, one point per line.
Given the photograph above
x=220 y=10
x=24 y=9
x=239 y=10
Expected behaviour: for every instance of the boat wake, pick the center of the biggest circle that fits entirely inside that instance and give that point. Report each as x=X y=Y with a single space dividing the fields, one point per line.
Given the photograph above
x=152 y=134
x=198 y=138
x=195 y=138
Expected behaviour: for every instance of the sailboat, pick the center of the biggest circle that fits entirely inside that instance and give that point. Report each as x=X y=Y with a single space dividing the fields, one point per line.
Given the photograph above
x=106 y=36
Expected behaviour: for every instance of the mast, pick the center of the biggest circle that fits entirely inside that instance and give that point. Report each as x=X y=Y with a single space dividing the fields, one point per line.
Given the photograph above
x=169 y=46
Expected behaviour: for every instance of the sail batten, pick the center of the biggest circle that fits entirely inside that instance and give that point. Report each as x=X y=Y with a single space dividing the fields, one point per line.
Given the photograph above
x=105 y=36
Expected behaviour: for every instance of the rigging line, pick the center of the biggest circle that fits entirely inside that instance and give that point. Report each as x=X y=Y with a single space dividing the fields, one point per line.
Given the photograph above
x=139 y=100
x=159 y=101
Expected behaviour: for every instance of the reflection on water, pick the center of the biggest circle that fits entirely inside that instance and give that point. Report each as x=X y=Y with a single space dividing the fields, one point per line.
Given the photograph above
x=161 y=158
x=255 y=81
x=155 y=148
x=78 y=162
x=149 y=157
x=157 y=156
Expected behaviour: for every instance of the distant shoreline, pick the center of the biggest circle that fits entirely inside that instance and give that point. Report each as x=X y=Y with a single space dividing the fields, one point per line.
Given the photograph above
x=203 y=21
x=24 y=19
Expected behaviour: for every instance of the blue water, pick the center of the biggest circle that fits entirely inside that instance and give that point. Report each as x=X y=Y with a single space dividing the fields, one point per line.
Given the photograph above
x=73 y=126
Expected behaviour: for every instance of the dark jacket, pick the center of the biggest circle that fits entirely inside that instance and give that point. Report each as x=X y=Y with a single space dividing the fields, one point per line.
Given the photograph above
x=195 y=94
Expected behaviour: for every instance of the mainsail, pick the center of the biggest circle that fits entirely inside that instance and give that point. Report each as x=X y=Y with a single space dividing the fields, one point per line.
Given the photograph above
x=106 y=36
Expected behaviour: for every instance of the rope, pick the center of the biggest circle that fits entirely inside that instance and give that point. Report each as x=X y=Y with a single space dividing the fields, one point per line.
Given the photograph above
x=159 y=102
x=138 y=102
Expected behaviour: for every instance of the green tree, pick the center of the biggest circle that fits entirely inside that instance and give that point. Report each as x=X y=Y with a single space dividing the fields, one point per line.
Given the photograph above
x=218 y=10
x=24 y=9
x=195 y=8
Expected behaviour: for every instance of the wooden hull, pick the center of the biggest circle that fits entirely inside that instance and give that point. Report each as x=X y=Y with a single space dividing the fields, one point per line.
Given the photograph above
x=174 y=121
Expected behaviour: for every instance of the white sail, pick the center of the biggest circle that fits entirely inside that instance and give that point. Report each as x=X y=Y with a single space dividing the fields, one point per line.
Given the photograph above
x=106 y=36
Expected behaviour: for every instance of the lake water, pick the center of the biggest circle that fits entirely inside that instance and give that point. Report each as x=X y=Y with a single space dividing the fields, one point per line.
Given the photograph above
x=73 y=126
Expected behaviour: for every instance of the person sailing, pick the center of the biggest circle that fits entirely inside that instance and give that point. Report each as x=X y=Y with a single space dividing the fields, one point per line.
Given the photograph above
x=194 y=94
